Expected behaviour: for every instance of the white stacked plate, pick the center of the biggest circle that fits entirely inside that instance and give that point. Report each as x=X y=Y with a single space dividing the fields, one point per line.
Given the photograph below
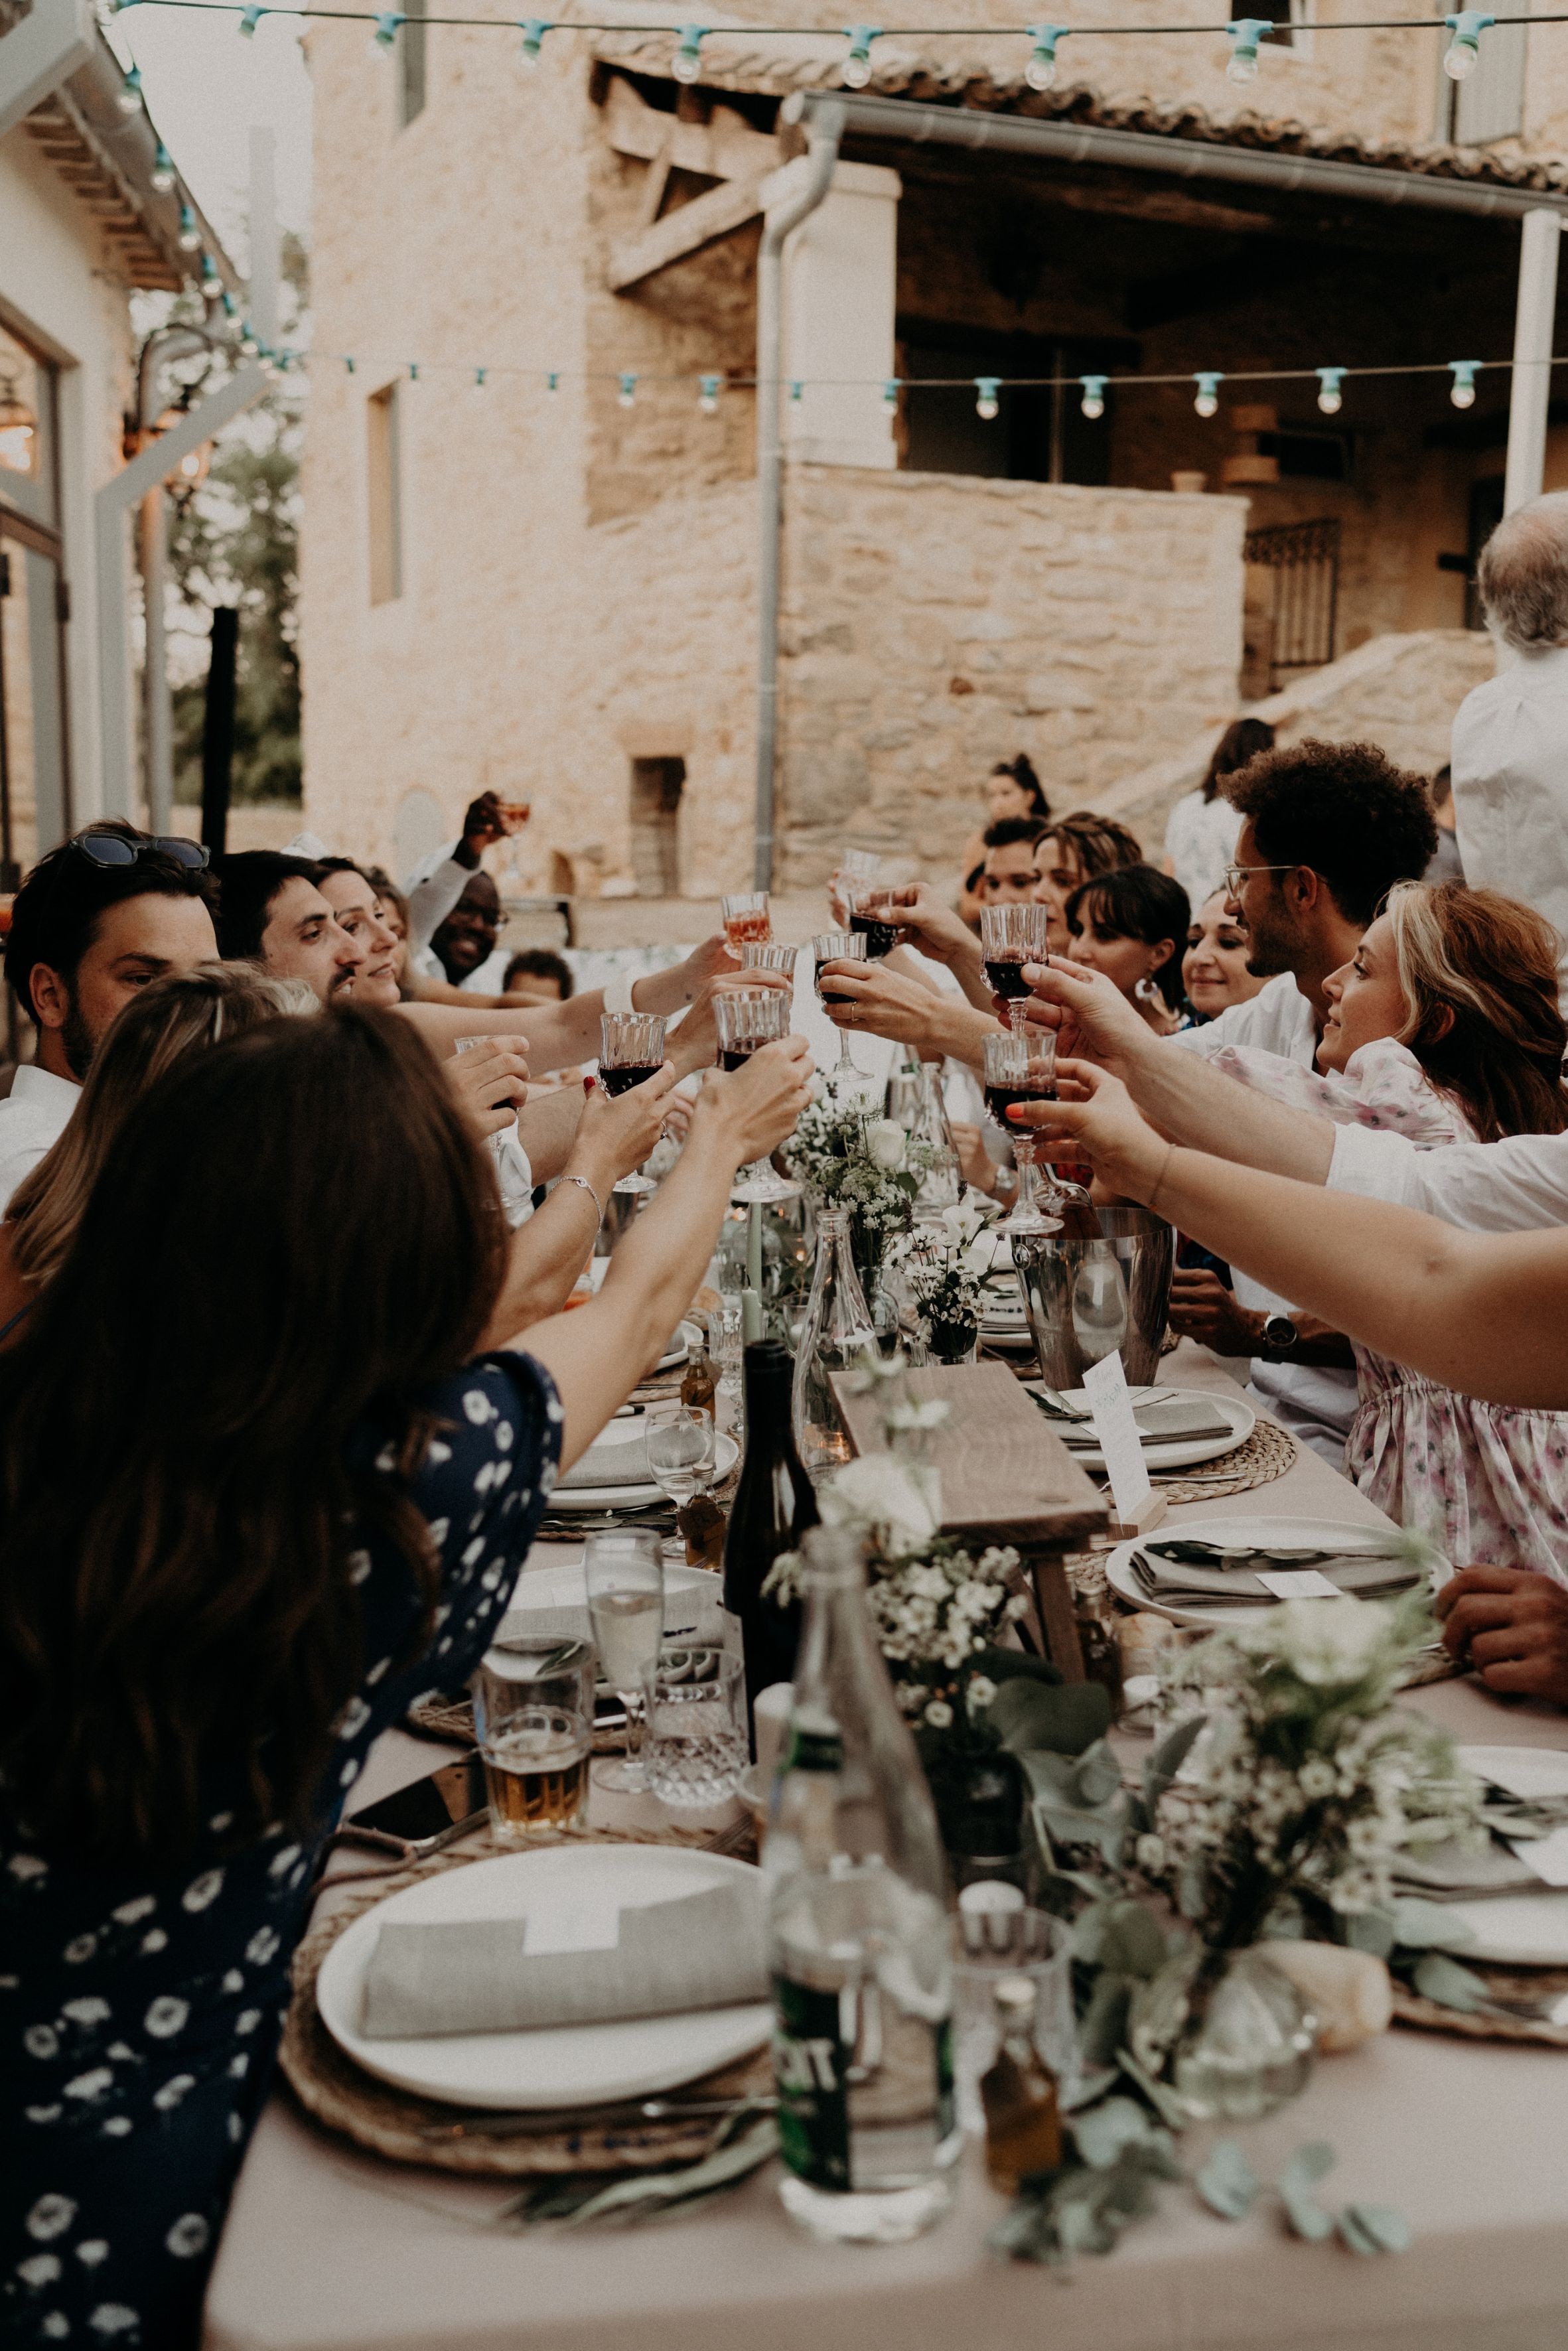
x=1344 y=1535
x=595 y=1499
x=1521 y=1930
x=573 y=2065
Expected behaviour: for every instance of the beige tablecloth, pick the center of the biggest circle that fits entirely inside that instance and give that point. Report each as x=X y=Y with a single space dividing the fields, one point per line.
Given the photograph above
x=327 y=2250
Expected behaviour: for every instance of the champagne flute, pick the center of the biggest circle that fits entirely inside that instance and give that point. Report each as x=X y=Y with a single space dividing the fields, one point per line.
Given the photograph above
x=1011 y=936
x=745 y=919
x=624 y=1570
x=681 y=1456
x=747 y=1018
x=838 y=946
x=631 y=1050
x=1022 y=1069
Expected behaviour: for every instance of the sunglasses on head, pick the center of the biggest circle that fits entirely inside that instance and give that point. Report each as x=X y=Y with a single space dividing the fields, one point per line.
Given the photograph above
x=114 y=849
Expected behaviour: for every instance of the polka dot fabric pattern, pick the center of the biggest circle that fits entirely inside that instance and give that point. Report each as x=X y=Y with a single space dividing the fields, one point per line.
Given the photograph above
x=139 y=2013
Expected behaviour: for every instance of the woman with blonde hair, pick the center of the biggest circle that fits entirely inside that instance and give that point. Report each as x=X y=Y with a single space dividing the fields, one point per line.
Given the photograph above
x=1445 y=1028
x=171 y=1018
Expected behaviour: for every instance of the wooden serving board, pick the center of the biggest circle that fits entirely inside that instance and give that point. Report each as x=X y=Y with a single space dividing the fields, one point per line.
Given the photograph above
x=1007 y=1478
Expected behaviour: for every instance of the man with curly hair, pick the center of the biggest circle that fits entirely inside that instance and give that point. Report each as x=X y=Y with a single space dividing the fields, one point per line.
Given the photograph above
x=1327 y=829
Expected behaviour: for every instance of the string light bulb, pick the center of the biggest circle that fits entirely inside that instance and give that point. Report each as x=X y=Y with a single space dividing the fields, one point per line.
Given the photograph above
x=413 y=371
x=190 y=236
x=1245 y=36
x=211 y=284
x=1463 y=393
x=129 y=96
x=250 y=18
x=987 y=404
x=1041 y=72
x=162 y=175
x=348 y=366
x=533 y=32
x=1331 y=400
x=249 y=346
x=890 y=392
x=857 y=64
x=1459 y=57
x=707 y=395
x=627 y=395
x=1094 y=400
x=384 y=40
x=688 y=65
x=796 y=392
x=552 y=383
x=479 y=376
x=1208 y=401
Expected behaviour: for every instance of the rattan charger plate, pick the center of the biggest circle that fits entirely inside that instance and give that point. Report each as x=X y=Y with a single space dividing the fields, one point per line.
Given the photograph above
x=1504 y=1983
x=396 y=2123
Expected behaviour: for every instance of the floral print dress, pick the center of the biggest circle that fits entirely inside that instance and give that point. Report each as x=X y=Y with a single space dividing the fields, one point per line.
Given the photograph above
x=1485 y=1482
x=140 y=2012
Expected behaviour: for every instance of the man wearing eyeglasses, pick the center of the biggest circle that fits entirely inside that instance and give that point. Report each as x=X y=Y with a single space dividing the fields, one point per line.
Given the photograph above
x=95 y=921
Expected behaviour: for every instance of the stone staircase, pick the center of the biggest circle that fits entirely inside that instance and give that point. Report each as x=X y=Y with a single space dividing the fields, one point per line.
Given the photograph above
x=1399 y=692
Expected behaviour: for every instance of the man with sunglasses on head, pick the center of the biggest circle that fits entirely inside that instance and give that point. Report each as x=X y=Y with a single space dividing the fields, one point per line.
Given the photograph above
x=95 y=922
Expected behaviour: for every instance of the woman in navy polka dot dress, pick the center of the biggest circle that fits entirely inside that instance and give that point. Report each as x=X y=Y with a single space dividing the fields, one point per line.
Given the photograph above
x=264 y=1474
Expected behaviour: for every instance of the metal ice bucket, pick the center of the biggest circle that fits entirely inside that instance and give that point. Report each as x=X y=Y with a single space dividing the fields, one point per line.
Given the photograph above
x=1085 y=1299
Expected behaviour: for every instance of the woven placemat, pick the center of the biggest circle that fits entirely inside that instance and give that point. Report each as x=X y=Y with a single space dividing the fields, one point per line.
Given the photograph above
x=1505 y=1984
x=1264 y=1456
x=395 y=2123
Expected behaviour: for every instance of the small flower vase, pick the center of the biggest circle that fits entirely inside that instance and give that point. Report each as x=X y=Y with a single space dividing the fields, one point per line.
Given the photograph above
x=952 y=1342
x=1228 y=2034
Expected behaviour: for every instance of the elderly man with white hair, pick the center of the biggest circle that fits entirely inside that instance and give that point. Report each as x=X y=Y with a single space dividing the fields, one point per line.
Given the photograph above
x=1511 y=734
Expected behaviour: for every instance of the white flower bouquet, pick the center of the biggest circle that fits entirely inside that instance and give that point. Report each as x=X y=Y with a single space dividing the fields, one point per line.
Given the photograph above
x=867 y=1166
x=943 y=1282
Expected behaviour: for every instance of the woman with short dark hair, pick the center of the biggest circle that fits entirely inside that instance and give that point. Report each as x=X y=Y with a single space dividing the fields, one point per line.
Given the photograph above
x=1132 y=923
x=259 y=1486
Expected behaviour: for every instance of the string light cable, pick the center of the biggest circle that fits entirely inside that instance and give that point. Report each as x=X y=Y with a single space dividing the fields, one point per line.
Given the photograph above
x=1245 y=36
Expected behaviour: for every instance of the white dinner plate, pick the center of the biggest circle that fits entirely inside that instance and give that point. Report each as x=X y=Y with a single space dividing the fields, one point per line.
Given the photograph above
x=1524 y=1772
x=683 y=1339
x=1177 y=1452
x=726 y=1452
x=574 y=2065
x=1287 y=1534
x=554 y=1598
x=1521 y=1930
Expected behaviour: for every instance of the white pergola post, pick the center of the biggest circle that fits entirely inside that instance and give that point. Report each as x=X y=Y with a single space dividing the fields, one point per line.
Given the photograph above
x=1531 y=391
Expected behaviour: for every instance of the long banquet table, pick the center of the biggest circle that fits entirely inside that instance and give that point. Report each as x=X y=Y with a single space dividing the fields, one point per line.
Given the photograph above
x=331 y=2250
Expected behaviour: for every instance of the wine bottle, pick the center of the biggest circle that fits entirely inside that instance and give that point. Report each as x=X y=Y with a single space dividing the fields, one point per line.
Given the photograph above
x=861 y=1948
x=773 y=1507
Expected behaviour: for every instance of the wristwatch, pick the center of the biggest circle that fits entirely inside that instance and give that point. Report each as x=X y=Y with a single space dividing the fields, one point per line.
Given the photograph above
x=1281 y=1336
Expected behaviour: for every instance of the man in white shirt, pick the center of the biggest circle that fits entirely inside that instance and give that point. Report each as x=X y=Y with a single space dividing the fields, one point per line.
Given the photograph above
x=1510 y=736
x=93 y=924
x=454 y=908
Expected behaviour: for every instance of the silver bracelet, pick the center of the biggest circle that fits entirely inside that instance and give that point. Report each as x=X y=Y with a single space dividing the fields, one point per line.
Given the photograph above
x=590 y=1190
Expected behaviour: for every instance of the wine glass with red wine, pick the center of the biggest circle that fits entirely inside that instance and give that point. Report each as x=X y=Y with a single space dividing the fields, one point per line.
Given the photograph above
x=749 y=1017
x=746 y=920
x=870 y=918
x=630 y=1051
x=1011 y=936
x=1022 y=1069
x=838 y=946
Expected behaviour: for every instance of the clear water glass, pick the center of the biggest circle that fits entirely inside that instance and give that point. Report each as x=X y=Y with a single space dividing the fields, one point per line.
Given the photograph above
x=624 y=1571
x=696 y=1747
x=681 y=1458
x=1001 y=1939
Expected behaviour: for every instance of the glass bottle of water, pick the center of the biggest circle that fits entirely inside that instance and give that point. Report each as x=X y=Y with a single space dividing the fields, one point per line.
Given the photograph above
x=839 y=1327
x=860 y=1935
x=941 y=1186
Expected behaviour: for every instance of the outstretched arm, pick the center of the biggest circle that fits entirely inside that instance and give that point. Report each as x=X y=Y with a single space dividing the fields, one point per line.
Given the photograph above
x=1483 y=1315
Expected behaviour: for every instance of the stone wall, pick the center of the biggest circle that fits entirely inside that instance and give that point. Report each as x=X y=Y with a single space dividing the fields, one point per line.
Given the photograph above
x=934 y=625
x=1399 y=692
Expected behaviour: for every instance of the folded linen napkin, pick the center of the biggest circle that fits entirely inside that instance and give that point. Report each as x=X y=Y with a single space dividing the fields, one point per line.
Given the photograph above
x=625 y=1464
x=704 y=1950
x=1191 y=1585
x=1158 y=1423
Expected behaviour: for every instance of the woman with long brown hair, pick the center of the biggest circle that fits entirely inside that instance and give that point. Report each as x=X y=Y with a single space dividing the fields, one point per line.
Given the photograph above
x=257 y=1487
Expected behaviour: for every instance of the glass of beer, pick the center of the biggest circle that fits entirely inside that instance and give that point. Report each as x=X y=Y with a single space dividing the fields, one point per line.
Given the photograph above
x=533 y=1716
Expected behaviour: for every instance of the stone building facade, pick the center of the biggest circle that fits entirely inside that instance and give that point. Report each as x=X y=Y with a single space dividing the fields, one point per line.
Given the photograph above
x=554 y=590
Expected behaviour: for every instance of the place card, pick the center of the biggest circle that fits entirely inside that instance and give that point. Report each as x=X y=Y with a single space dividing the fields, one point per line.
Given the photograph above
x=1138 y=1507
x=1297 y=1583
x=1547 y=1855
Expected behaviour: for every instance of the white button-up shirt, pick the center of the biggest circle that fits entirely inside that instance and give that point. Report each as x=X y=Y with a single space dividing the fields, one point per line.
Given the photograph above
x=1314 y=1401
x=34 y=1115
x=1509 y=758
x=1517 y=1185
